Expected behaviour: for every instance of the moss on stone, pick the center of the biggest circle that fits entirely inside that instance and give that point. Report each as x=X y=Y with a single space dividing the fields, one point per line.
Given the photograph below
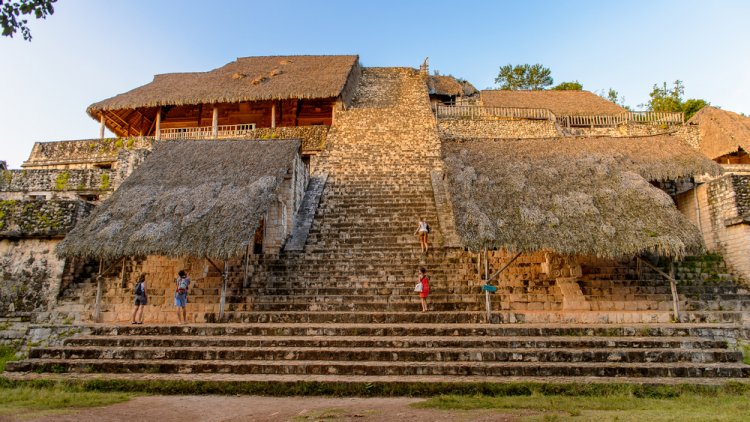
x=104 y=185
x=61 y=182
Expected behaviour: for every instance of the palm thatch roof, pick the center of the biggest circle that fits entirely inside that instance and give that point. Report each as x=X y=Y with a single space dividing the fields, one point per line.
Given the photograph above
x=560 y=103
x=449 y=86
x=245 y=79
x=721 y=132
x=588 y=196
x=188 y=198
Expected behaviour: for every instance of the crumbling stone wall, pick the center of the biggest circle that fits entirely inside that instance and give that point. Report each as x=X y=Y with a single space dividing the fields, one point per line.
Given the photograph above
x=52 y=218
x=81 y=154
x=54 y=183
x=30 y=275
x=719 y=208
x=466 y=128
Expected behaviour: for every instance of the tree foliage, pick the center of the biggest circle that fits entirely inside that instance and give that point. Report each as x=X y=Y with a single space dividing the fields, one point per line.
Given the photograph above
x=524 y=76
x=13 y=12
x=568 y=86
x=663 y=98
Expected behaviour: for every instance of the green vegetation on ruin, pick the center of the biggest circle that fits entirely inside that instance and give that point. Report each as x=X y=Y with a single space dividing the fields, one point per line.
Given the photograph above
x=104 y=184
x=61 y=182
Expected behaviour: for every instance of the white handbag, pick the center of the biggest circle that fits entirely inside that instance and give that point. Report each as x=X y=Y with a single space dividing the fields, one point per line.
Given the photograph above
x=418 y=287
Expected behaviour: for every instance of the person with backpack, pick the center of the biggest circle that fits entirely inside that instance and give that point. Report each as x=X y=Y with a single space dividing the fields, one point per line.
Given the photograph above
x=423 y=287
x=140 y=299
x=423 y=229
x=180 y=295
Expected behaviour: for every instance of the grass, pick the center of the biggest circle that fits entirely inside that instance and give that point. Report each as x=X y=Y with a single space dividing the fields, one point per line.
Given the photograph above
x=722 y=404
x=7 y=354
x=29 y=402
x=528 y=401
x=745 y=349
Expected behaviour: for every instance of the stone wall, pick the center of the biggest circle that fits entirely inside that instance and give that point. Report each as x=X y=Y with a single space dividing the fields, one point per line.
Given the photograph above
x=313 y=137
x=688 y=132
x=30 y=218
x=81 y=154
x=54 y=183
x=280 y=218
x=720 y=210
x=465 y=128
x=30 y=275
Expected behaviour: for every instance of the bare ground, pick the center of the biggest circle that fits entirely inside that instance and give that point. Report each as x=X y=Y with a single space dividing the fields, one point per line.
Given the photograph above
x=268 y=409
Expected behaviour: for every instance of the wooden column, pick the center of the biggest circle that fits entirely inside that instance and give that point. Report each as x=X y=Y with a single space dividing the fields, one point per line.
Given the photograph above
x=273 y=115
x=158 y=124
x=215 y=123
x=101 y=126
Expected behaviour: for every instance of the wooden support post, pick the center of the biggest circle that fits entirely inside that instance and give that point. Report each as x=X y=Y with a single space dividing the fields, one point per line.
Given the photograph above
x=122 y=274
x=672 y=286
x=101 y=126
x=273 y=116
x=215 y=123
x=98 y=305
x=675 y=297
x=158 y=123
x=488 y=306
x=247 y=259
x=223 y=300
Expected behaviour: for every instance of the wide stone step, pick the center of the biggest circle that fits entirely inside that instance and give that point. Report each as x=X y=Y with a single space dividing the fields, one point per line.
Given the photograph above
x=472 y=342
x=400 y=354
x=678 y=330
x=364 y=307
x=303 y=367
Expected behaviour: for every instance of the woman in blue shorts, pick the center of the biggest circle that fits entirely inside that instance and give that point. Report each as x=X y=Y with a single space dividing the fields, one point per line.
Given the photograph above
x=180 y=296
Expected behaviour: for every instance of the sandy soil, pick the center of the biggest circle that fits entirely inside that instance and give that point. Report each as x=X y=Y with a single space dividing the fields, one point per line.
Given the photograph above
x=269 y=409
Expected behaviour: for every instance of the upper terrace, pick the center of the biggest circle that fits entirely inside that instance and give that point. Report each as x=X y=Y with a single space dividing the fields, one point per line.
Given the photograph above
x=249 y=93
x=566 y=108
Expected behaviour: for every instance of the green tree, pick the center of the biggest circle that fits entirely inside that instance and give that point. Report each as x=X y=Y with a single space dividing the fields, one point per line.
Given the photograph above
x=666 y=99
x=568 y=86
x=692 y=106
x=671 y=99
x=524 y=76
x=12 y=14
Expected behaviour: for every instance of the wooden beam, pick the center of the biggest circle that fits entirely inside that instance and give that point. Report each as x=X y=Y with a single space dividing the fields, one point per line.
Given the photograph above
x=101 y=126
x=215 y=123
x=273 y=115
x=158 y=123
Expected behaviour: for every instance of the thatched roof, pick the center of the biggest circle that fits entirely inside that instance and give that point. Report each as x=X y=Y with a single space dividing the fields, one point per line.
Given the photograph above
x=588 y=196
x=449 y=86
x=444 y=85
x=560 y=103
x=188 y=198
x=245 y=79
x=721 y=132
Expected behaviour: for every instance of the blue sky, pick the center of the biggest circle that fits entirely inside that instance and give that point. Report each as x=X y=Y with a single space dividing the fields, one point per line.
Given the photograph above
x=93 y=49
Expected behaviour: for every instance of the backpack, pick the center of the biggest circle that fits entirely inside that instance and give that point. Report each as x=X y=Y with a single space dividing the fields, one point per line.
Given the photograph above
x=139 y=288
x=182 y=286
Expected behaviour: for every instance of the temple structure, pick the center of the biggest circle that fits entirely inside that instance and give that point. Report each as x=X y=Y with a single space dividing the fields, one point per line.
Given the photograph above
x=289 y=188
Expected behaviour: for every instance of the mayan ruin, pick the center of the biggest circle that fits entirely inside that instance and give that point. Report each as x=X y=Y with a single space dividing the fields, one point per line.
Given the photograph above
x=288 y=188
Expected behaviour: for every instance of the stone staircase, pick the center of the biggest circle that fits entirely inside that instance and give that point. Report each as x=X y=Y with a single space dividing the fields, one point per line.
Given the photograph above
x=339 y=305
x=392 y=353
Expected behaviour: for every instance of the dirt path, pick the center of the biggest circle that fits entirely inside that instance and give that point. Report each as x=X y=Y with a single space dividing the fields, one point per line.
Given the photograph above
x=270 y=409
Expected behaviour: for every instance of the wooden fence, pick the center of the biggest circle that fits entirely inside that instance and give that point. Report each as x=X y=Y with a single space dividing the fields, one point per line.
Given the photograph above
x=648 y=117
x=480 y=112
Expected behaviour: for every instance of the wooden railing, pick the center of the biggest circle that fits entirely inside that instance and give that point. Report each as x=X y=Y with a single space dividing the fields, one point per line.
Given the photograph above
x=650 y=117
x=207 y=132
x=667 y=117
x=480 y=112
